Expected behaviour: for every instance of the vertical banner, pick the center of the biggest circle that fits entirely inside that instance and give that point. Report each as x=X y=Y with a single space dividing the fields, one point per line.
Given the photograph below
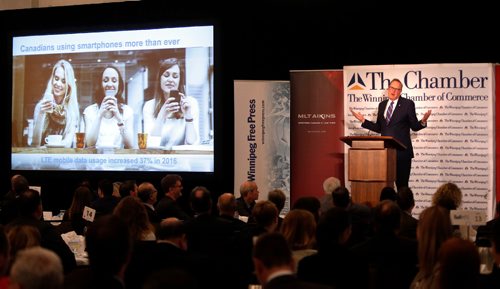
x=262 y=136
x=317 y=124
x=458 y=144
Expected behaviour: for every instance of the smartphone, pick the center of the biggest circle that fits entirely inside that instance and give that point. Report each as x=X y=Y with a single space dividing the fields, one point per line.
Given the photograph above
x=175 y=94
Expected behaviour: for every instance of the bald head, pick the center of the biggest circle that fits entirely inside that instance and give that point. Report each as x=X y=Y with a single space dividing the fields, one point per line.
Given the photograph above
x=226 y=204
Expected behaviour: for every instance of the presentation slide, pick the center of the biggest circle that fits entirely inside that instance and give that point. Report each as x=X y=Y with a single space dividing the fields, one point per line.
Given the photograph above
x=119 y=100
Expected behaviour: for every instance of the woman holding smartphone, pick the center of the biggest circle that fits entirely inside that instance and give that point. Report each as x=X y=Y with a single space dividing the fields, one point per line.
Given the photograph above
x=171 y=114
x=109 y=121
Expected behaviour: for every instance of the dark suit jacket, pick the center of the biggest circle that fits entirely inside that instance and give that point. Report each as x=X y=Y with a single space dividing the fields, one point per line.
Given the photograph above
x=292 y=282
x=168 y=207
x=408 y=226
x=403 y=119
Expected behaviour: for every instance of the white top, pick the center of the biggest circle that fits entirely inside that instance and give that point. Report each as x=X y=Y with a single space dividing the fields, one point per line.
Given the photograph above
x=174 y=130
x=109 y=132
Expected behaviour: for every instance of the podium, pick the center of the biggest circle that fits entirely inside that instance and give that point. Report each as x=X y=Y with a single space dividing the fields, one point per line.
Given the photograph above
x=372 y=165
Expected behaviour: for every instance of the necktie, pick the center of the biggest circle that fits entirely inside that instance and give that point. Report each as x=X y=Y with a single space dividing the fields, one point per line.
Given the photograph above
x=389 y=112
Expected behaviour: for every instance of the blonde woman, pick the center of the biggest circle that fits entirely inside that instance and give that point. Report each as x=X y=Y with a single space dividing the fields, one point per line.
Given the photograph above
x=57 y=113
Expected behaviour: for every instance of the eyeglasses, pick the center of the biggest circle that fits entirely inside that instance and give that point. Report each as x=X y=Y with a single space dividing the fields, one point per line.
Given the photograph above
x=395 y=89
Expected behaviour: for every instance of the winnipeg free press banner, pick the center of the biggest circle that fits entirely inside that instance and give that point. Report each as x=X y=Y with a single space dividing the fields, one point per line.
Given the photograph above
x=262 y=136
x=457 y=145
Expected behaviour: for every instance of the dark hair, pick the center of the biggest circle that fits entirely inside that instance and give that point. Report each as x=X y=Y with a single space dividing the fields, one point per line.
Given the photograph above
x=340 y=197
x=145 y=191
x=99 y=92
x=272 y=249
x=388 y=193
x=169 y=181
x=28 y=202
x=19 y=184
x=164 y=65
x=126 y=187
x=387 y=216
x=330 y=226
x=108 y=244
x=309 y=203
x=405 y=198
x=106 y=187
x=200 y=203
x=278 y=197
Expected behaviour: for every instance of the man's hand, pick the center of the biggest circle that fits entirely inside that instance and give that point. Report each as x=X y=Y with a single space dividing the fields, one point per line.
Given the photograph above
x=359 y=116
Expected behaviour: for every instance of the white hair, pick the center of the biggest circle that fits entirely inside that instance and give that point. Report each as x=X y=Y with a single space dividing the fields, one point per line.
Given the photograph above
x=37 y=268
x=330 y=184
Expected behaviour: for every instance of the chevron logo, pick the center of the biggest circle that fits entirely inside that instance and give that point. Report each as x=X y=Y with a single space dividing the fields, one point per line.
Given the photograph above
x=356 y=83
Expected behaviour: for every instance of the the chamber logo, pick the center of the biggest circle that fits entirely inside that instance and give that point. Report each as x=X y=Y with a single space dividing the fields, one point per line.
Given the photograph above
x=356 y=83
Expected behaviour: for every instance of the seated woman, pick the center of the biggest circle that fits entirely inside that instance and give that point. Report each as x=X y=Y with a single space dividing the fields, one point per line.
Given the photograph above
x=175 y=121
x=109 y=121
x=57 y=113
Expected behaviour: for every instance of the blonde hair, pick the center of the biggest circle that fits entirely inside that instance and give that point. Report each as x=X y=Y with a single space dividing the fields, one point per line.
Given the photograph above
x=448 y=195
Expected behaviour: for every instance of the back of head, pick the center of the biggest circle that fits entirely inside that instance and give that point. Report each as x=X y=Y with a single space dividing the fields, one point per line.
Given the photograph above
x=406 y=200
x=309 y=203
x=330 y=184
x=387 y=216
x=134 y=214
x=341 y=197
x=278 y=197
x=22 y=237
x=29 y=202
x=331 y=226
x=37 y=268
x=227 y=204
x=448 y=196
x=200 y=200
x=170 y=228
x=495 y=237
x=265 y=213
x=106 y=187
x=434 y=227
x=299 y=229
x=19 y=184
x=108 y=244
x=388 y=193
x=460 y=263
x=272 y=250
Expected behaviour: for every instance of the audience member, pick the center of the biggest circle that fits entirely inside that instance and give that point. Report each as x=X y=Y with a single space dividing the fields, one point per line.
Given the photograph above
x=109 y=246
x=458 y=261
x=362 y=228
x=299 y=230
x=448 y=196
x=106 y=202
x=8 y=210
x=148 y=194
x=82 y=197
x=20 y=238
x=274 y=265
x=434 y=228
x=128 y=188
x=406 y=202
x=134 y=214
x=167 y=207
x=278 y=197
x=249 y=194
x=330 y=184
x=30 y=214
x=388 y=193
x=334 y=264
x=227 y=210
x=392 y=259
x=36 y=268
x=308 y=203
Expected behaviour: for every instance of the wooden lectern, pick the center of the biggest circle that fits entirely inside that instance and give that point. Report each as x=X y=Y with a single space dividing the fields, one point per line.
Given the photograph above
x=372 y=165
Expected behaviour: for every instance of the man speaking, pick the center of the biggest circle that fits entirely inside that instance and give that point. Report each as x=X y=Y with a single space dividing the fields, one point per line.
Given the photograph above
x=396 y=116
